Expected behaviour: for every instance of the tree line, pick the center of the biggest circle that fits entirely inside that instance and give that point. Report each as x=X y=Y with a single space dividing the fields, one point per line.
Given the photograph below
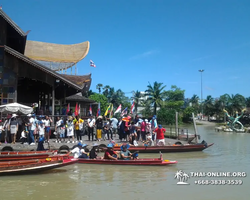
x=165 y=103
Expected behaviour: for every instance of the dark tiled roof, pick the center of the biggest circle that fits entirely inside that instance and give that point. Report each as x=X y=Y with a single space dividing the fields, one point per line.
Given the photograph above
x=79 y=98
x=12 y=23
x=79 y=80
x=43 y=68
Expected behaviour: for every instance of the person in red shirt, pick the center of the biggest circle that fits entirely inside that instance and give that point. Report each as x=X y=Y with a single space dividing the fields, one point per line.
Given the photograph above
x=160 y=139
x=110 y=153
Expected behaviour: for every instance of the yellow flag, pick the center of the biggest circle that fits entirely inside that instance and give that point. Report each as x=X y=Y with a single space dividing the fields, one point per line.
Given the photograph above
x=107 y=111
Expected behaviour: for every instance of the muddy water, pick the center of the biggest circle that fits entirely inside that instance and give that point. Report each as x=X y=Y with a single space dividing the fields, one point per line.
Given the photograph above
x=230 y=153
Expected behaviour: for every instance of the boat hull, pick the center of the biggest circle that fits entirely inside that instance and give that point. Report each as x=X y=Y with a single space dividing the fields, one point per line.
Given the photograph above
x=167 y=149
x=28 y=155
x=40 y=165
x=146 y=162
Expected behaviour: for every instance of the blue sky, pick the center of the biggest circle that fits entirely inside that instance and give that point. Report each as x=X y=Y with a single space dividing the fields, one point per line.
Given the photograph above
x=133 y=42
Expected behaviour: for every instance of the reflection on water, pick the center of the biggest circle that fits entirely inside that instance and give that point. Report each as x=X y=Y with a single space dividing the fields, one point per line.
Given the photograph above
x=81 y=181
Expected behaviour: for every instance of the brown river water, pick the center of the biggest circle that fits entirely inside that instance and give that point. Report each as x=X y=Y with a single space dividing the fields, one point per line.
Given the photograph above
x=230 y=153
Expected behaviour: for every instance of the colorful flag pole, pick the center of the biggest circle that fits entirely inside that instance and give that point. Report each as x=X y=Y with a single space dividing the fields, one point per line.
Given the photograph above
x=90 y=110
x=92 y=64
x=68 y=109
x=108 y=110
x=76 y=109
x=132 y=107
x=124 y=112
x=79 y=110
x=111 y=112
x=119 y=109
x=98 y=110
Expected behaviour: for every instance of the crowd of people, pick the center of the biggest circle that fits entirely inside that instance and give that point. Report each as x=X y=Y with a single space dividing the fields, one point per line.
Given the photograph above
x=70 y=129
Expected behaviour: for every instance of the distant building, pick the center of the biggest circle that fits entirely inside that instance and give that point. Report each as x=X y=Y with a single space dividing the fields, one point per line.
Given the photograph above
x=34 y=72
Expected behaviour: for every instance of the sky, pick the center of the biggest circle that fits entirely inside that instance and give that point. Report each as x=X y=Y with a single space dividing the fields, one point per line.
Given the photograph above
x=137 y=42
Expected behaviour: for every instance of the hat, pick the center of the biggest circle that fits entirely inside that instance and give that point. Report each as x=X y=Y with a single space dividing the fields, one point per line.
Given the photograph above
x=41 y=122
x=160 y=126
x=146 y=120
x=79 y=144
x=110 y=145
x=99 y=117
x=29 y=115
x=95 y=145
x=14 y=115
x=125 y=146
x=84 y=145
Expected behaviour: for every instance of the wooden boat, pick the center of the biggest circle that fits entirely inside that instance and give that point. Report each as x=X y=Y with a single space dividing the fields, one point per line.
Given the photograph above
x=144 y=161
x=28 y=155
x=34 y=166
x=165 y=149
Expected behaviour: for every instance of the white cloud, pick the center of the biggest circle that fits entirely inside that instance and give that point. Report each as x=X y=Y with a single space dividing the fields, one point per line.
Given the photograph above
x=143 y=55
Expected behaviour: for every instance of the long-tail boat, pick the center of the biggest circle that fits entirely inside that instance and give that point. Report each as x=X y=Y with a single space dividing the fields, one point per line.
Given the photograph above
x=27 y=155
x=143 y=161
x=33 y=166
x=164 y=149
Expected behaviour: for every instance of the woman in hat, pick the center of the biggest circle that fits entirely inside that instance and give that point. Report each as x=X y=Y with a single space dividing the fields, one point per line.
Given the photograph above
x=93 y=153
x=13 y=128
x=79 y=151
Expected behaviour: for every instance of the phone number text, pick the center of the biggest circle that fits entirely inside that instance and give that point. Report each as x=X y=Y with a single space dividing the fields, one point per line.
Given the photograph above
x=218 y=182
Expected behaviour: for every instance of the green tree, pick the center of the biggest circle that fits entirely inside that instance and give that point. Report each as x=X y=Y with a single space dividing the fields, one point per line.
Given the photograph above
x=195 y=102
x=146 y=111
x=156 y=94
x=208 y=106
x=167 y=116
x=234 y=103
x=103 y=102
x=187 y=114
x=99 y=86
x=174 y=98
x=136 y=98
x=106 y=90
x=248 y=102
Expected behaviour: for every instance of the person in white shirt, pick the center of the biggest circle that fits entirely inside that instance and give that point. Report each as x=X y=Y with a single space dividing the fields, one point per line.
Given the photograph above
x=41 y=128
x=1 y=130
x=47 y=123
x=70 y=129
x=32 y=127
x=91 y=124
x=79 y=151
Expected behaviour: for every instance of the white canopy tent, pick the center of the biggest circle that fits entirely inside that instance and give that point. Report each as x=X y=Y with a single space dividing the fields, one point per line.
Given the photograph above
x=16 y=108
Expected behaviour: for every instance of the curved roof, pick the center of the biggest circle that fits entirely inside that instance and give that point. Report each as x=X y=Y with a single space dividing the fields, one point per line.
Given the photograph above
x=61 y=53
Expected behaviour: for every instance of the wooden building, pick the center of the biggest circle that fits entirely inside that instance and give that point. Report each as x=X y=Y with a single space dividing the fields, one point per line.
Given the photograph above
x=34 y=72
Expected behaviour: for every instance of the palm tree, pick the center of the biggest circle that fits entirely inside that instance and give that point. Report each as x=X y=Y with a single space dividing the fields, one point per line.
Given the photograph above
x=156 y=94
x=99 y=87
x=208 y=106
x=106 y=90
x=234 y=103
x=248 y=102
x=136 y=98
x=194 y=101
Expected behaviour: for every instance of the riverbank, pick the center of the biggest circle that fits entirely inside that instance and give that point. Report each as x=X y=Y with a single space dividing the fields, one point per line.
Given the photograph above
x=55 y=146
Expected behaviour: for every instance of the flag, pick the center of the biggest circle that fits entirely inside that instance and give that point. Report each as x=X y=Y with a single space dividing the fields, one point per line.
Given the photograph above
x=132 y=107
x=1 y=7
x=124 y=112
x=68 y=108
x=108 y=110
x=98 y=110
x=119 y=109
x=76 y=109
x=92 y=64
x=111 y=111
x=79 y=110
x=90 y=110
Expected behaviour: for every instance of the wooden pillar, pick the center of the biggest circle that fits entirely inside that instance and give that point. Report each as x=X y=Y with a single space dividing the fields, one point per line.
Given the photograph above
x=53 y=100
x=176 y=124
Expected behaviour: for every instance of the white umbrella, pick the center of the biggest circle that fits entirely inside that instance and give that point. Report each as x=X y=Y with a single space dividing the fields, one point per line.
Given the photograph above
x=15 y=108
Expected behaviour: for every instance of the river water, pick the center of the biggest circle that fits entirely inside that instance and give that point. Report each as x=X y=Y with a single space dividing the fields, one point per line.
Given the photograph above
x=230 y=153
